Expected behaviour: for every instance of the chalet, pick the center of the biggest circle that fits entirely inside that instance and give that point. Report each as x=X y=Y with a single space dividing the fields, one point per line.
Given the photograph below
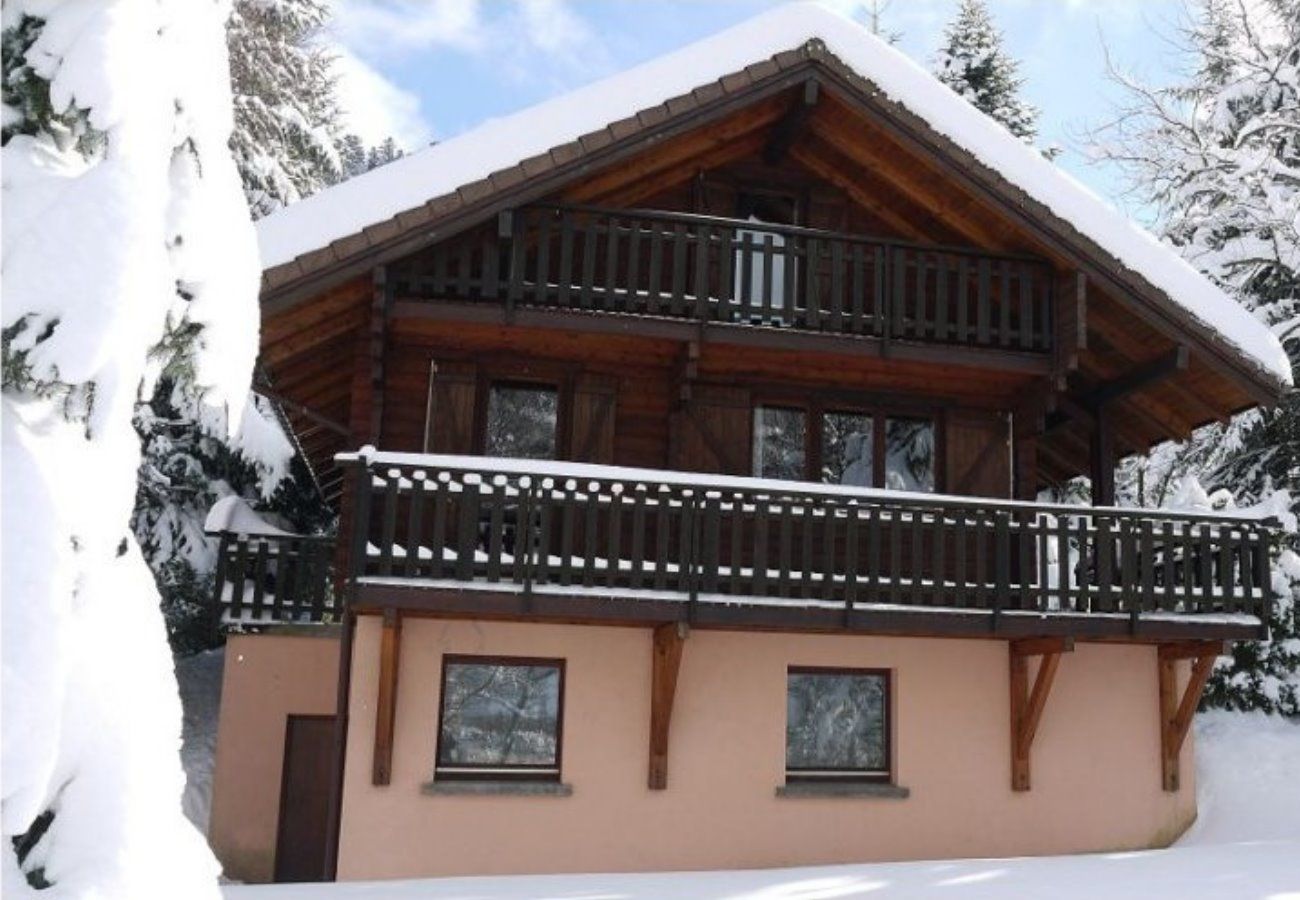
x=688 y=435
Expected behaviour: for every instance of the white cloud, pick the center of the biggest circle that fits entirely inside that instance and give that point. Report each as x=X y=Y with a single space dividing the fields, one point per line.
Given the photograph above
x=374 y=108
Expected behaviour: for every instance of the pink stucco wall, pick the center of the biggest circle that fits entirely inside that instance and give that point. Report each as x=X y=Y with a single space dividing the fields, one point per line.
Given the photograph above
x=1096 y=765
x=267 y=677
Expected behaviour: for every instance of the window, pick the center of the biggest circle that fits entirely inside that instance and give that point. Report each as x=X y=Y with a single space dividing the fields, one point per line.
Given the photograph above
x=780 y=437
x=500 y=718
x=837 y=725
x=848 y=449
x=750 y=279
x=521 y=421
x=851 y=447
x=909 y=454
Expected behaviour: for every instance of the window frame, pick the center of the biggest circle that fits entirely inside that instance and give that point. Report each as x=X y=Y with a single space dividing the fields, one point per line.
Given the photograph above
x=562 y=386
x=823 y=775
x=530 y=773
x=879 y=412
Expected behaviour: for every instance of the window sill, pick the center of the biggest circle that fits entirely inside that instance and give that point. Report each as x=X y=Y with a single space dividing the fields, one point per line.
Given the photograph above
x=503 y=788
x=801 y=789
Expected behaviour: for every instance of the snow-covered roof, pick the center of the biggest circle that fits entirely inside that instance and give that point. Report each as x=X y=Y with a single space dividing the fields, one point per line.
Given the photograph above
x=499 y=144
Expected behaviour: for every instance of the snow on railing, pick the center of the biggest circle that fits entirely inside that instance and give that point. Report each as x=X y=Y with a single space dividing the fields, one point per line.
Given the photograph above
x=529 y=525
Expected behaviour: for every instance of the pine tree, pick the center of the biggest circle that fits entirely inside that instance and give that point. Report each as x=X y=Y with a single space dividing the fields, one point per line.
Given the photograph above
x=286 y=113
x=127 y=251
x=1218 y=155
x=973 y=62
x=287 y=144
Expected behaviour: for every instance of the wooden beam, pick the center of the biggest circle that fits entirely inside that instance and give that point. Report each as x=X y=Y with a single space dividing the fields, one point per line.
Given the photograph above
x=305 y=411
x=386 y=706
x=1026 y=704
x=1145 y=375
x=1102 y=460
x=1071 y=322
x=379 y=305
x=665 y=662
x=1176 y=711
x=792 y=124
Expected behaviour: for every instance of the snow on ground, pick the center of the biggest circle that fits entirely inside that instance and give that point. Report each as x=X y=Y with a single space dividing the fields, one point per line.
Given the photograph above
x=199 y=677
x=1245 y=847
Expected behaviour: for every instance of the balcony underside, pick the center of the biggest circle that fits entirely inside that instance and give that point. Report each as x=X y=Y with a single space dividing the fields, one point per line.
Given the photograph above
x=592 y=606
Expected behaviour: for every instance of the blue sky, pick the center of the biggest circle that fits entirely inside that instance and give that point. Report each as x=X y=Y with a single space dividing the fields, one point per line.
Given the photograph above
x=429 y=69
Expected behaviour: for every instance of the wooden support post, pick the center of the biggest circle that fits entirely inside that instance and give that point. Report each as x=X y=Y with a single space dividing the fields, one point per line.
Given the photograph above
x=386 y=706
x=1026 y=704
x=1071 y=337
x=1176 y=711
x=667 y=659
x=1103 y=460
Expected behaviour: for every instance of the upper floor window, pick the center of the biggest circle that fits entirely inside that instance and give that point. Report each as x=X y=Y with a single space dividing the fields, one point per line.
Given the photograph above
x=522 y=421
x=837 y=724
x=849 y=447
x=500 y=718
x=909 y=454
x=780 y=438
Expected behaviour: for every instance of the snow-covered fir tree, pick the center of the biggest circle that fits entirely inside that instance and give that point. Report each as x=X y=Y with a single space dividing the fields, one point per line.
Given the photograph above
x=356 y=158
x=286 y=113
x=1218 y=156
x=973 y=62
x=127 y=249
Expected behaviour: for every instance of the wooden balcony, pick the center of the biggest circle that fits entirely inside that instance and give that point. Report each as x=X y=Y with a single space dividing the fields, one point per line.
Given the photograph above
x=709 y=270
x=477 y=537
x=264 y=578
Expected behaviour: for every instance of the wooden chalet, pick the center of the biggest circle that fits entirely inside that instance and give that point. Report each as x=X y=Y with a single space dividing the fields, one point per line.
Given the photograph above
x=724 y=393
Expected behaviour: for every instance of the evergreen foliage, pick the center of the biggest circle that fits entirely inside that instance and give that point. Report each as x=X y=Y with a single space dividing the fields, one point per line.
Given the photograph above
x=973 y=62
x=286 y=113
x=1218 y=155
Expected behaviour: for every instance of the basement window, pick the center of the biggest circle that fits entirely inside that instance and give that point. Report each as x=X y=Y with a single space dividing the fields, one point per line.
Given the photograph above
x=837 y=725
x=522 y=421
x=500 y=719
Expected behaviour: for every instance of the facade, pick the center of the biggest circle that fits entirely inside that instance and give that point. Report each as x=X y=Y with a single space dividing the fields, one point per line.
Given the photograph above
x=687 y=435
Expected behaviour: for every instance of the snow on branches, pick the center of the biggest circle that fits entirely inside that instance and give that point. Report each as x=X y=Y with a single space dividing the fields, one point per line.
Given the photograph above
x=127 y=251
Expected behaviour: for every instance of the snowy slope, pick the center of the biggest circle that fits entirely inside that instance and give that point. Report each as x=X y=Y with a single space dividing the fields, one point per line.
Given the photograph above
x=199 y=677
x=379 y=195
x=1246 y=846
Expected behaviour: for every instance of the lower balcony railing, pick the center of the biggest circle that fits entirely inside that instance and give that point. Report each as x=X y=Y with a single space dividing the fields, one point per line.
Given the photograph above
x=274 y=578
x=562 y=529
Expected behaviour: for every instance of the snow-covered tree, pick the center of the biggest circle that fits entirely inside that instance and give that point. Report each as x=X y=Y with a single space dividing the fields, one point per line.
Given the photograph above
x=127 y=250
x=286 y=114
x=1217 y=155
x=356 y=158
x=973 y=62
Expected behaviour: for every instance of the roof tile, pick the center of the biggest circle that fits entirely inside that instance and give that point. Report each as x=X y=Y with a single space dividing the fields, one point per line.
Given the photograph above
x=653 y=116
x=382 y=231
x=625 y=128
x=595 y=140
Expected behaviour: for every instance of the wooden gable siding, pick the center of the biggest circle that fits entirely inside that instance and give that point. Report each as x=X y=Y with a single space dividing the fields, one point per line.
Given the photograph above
x=848 y=172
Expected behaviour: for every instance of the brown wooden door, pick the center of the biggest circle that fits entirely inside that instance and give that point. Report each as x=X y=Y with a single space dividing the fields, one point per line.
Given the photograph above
x=304 y=799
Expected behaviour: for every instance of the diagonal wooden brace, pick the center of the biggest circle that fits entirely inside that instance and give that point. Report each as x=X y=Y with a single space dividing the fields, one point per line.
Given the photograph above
x=665 y=662
x=1026 y=704
x=1176 y=710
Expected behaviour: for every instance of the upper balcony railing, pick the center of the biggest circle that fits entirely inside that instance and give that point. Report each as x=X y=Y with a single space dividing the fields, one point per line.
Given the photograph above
x=708 y=269
x=695 y=541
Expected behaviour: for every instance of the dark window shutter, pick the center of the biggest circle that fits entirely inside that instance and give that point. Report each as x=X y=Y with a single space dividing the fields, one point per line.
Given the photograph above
x=450 y=425
x=979 y=455
x=592 y=420
x=712 y=431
